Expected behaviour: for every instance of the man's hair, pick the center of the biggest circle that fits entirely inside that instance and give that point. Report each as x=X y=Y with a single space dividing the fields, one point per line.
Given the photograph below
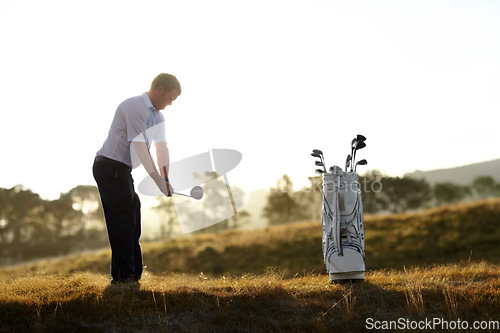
x=168 y=81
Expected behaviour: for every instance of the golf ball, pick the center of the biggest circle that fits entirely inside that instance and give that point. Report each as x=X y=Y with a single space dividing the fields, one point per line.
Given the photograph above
x=197 y=192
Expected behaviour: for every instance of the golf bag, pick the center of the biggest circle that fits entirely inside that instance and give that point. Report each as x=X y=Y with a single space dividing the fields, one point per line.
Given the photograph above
x=342 y=222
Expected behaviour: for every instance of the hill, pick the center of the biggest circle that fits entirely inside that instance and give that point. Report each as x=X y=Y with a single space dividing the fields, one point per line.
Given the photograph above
x=462 y=175
x=445 y=234
x=441 y=263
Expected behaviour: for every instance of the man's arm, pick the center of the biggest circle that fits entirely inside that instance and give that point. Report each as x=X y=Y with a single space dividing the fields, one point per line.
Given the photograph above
x=145 y=157
x=162 y=157
x=163 y=160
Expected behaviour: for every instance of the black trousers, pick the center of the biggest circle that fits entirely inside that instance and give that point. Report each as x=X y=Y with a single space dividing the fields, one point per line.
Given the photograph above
x=122 y=211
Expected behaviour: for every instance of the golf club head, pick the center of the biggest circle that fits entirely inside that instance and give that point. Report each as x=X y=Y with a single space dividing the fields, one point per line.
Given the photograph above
x=313 y=154
x=357 y=145
x=348 y=161
x=319 y=171
x=362 y=162
x=360 y=145
x=317 y=151
x=197 y=192
x=319 y=163
x=357 y=140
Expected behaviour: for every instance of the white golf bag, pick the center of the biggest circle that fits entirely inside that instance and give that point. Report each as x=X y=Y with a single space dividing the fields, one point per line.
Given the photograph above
x=343 y=229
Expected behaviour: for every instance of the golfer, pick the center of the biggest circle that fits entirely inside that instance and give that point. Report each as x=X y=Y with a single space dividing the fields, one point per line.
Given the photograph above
x=137 y=123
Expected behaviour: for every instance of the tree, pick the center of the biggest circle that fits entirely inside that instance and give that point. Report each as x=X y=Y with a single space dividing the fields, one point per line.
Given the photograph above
x=87 y=201
x=60 y=216
x=220 y=195
x=4 y=204
x=33 y=227
x=370 y=185
x=20 y=211
x=311 y=199
x=281 y=205
x=166 y=209
x=75 y=212
x=405 y=193
x=485 y=187
x=449 y=193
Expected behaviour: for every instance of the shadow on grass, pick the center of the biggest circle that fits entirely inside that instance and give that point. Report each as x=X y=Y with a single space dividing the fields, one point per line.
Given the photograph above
x=301 y=304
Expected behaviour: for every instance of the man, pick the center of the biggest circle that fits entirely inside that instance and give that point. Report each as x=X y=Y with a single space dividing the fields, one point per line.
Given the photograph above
x=137 y=122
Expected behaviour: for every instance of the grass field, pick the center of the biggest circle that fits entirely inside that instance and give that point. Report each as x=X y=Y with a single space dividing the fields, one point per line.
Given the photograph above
x=273 y=280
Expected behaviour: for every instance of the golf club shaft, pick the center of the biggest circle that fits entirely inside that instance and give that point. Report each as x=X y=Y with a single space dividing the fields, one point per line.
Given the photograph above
x=322 y=161
x=352 y=152
x=354 y=157
x=186 y=195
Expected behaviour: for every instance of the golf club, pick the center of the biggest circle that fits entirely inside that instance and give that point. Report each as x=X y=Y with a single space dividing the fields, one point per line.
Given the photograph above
x=319 y=171
x=359 y=145
x=360 y=137
x=319 y=153
x=354 y=143
x=348 y=162
x=321 y=156
x=313 y=154
x=362 y=162
x=196 y=193
x=319 y=163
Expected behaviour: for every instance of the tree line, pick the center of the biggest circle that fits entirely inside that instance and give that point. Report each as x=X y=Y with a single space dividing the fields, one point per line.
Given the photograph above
x=380 y=194
x=32 y=227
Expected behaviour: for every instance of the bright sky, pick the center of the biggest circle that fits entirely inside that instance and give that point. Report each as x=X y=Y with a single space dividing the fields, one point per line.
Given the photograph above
x=272 y=79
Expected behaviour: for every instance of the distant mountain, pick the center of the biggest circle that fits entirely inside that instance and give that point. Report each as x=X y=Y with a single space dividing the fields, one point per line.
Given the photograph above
x=462 y=175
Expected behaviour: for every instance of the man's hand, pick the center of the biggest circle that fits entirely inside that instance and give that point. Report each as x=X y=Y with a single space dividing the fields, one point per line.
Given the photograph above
x=163 y=160
x=164 y=186
x=147 y=162
x=170 y=189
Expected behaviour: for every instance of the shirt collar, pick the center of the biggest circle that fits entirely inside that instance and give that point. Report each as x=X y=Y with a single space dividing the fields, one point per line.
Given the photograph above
x=148 y=101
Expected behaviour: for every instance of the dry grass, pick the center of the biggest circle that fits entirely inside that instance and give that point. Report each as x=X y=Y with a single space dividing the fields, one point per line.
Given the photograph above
x=257 y=303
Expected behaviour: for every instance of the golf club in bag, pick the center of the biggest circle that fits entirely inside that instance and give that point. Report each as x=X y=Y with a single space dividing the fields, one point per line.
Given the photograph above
x=343 y=240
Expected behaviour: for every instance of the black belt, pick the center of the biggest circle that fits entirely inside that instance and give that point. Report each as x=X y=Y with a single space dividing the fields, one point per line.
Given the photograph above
x=100 y=158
